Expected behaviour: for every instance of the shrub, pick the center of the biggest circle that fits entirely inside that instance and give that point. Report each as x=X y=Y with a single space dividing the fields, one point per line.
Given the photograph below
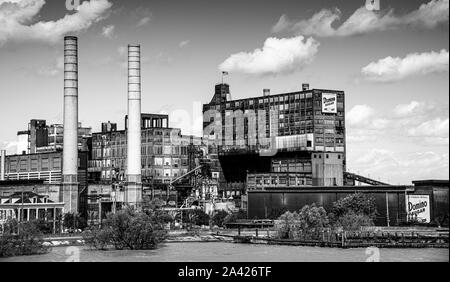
x=28 y=241
x=219 y=217
x=309 y=220
x=128 y=229
x=357 y=203
x=234 y=217
x=312 y=219
x=289 y=221
x=73 y=221
x=196 y=217
x=352 y=221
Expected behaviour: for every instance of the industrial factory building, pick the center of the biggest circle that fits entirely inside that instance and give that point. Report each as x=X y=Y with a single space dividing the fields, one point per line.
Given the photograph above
x=300 y=133
x=166 y=155
x=266 y=154
x=41 y=137
x=424 y=201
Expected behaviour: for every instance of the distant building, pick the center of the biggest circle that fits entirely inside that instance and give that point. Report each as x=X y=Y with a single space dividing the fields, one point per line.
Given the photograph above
x=165 y=152
x=41 y=137
x=46 y=167
x=299 y=133
x=166 y=156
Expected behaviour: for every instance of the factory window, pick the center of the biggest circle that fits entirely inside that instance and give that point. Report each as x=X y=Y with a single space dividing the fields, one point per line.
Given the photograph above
x=158 y=161
x=167 y=173
x=56 y=163
x=167 y=161
x=34 y=165
x=23 y=165
x=339 y=156
x=167 y=150
x=328 y=156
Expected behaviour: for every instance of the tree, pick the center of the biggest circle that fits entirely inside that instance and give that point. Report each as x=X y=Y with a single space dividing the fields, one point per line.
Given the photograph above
x=234 y=217
x=353 y=212
x=196 y=217
x=309 y=220
x=357 y=203
x=289 y=221
x=128 y=229
x=352 y=221
x=73 y=221
x=219 y=217
x=22 y=238
x=312 y=219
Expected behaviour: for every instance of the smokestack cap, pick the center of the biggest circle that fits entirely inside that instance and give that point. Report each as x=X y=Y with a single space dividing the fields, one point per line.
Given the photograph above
x=70 y=38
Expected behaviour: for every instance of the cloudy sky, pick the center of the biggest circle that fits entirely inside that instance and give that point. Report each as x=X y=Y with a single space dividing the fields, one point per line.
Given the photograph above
x=393 y=65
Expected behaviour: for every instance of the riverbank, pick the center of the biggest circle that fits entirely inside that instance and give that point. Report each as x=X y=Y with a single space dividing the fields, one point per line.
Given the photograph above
x=381 y=238
x=228 y=252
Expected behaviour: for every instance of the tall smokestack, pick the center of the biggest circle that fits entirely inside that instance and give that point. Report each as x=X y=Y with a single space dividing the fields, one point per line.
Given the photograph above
x=70 y=146
x=133 y=194
x=2 y=165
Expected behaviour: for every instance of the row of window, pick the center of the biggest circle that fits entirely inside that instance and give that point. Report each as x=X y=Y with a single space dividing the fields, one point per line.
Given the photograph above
x=28 y=164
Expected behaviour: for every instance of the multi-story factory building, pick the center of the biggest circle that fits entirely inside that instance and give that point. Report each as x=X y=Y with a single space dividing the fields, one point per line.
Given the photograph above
x=166 y=154
x=41 y=137
x=299 y=136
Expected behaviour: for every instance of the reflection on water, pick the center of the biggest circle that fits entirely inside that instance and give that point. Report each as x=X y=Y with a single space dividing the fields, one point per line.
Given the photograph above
x=229 y=252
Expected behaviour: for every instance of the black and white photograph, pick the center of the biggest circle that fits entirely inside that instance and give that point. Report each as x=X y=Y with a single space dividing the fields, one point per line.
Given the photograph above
x=216 y=139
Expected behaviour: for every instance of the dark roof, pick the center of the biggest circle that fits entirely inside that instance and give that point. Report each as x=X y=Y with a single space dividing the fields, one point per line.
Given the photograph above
x=22 y=182
x=431 y=182
x=26 y=198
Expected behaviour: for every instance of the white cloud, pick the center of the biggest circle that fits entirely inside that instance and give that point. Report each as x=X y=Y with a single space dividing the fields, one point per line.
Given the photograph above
x=433 y=128
x=277 y=56
x=363 y=21
x=393 y=69
x=406 y=109
x=108 y=31
x=16 y=18
x=143 y=21
x=360 y=115
x=53 y=69
x=183 y=43
x=400 y=167
x=10 y=147
x=422 y=123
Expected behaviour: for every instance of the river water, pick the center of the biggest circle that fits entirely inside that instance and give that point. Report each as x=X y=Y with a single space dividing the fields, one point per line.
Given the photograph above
x=231 y=252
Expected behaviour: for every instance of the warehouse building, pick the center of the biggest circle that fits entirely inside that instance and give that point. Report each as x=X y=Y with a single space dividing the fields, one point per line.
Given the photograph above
x=302 y=132
x=424 y=202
